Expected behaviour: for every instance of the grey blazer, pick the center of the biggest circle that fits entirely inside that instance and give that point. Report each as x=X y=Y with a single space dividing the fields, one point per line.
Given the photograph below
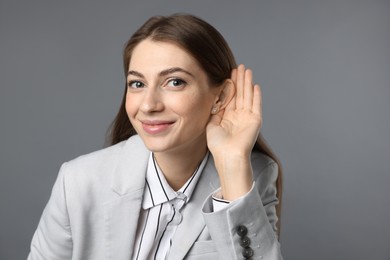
x=95 y=203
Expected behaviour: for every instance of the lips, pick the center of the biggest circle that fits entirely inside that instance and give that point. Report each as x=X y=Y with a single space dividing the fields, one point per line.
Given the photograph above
x=155 y=126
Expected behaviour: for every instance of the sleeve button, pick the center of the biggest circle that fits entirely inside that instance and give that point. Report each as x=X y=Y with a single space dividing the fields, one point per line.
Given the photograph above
x=247 y=252
x=242 y=230
x=245 y=241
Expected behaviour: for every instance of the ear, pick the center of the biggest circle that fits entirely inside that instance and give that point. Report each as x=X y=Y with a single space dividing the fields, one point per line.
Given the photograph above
x=226 y=93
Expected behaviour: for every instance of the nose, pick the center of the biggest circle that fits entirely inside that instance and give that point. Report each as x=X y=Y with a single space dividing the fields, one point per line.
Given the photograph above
x=151 y=101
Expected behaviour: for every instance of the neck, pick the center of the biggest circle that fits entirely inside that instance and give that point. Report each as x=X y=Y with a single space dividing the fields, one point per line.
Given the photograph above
x=179 y=165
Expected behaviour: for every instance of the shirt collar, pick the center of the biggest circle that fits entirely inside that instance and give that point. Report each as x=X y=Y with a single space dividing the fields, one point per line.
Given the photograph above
x=157 y=189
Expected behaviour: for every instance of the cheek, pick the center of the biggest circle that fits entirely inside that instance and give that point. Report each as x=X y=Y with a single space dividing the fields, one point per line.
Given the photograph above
x=196 y=108
x=130 y=107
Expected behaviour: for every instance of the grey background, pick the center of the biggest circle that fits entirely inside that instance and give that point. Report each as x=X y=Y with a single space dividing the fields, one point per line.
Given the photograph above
x=324 y=69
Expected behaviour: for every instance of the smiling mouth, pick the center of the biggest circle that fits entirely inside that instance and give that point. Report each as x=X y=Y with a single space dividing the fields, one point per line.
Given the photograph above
x=156 y=127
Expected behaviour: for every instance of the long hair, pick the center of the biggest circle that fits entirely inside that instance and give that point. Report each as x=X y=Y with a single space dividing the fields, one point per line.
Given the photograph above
x=211 y=51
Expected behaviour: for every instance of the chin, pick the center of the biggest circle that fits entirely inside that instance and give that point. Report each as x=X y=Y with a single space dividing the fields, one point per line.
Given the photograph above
x=155 y=145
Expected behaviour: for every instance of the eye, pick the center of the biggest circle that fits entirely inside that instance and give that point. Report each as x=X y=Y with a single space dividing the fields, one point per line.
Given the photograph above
x=135 y=84
x=175 y=83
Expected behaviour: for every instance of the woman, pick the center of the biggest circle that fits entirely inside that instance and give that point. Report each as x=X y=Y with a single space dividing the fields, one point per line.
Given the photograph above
x=188 y=175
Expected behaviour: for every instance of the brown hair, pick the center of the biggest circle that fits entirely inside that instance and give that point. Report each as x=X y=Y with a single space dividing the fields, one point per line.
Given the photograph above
x=211 y=51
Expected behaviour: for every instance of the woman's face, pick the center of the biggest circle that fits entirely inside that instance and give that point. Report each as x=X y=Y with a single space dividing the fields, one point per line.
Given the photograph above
x=168 y=98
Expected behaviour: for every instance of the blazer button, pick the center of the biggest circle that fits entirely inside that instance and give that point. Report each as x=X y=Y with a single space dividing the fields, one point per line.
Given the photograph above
x=242 y=230
x=247 y=252
x=245 y=241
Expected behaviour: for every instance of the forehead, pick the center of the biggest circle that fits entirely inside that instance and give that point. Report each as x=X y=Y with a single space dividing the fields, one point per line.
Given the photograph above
x=158 y=55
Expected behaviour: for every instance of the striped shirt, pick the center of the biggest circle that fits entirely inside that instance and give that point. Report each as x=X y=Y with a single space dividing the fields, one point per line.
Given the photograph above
x=161 y=212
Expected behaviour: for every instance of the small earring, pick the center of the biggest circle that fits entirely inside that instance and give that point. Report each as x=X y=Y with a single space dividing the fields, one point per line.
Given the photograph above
x=214 y=110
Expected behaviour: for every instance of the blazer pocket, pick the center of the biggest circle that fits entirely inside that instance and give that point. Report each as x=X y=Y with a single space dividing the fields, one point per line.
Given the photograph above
x=203 y=250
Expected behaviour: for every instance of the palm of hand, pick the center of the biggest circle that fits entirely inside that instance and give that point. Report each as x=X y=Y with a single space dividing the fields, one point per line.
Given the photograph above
x=235 y=128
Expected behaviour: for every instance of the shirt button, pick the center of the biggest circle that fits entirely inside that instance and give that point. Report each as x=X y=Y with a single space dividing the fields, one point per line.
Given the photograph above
x=242 y=230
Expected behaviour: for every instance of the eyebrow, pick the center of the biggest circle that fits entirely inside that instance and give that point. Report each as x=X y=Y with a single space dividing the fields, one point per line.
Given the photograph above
x=162 y=73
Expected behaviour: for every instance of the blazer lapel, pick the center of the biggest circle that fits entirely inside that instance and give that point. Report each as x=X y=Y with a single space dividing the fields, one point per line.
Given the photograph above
x=121 y=214
x=193 y=224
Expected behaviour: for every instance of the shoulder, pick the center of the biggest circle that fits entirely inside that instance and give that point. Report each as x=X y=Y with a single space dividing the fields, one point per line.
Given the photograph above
x=265 y=171
x=90 y=177
x=261 y=162
x=107 y=154
x=100 y=162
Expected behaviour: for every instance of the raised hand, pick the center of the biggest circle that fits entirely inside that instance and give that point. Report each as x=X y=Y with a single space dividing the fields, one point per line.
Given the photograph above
x=235 y=128
x=232 y=133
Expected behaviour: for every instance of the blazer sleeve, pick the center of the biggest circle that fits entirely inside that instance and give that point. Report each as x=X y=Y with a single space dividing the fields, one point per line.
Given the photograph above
x=52 y=239
x=246 y=228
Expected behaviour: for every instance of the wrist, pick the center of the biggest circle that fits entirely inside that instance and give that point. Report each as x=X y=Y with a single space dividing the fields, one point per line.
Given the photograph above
x=227 y=156
x=235 y=174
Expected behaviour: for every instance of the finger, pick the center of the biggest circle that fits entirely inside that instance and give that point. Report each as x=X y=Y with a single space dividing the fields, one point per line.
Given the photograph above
x=234 y=76
x=232 y=104
x=257 y=102
x=240 y=86
x=248 y=90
